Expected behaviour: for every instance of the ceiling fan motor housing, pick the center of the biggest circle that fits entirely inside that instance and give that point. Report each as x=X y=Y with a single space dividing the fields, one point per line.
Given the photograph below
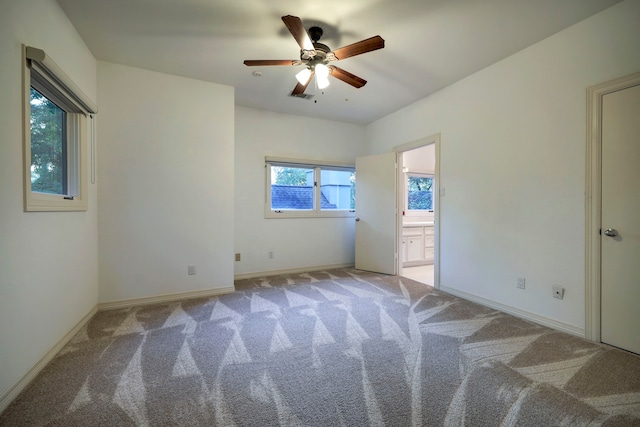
x=321 y=54
x=315 y=33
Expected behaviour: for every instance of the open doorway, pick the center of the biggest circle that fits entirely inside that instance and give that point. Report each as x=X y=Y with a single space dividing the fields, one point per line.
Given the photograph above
x=418 y=184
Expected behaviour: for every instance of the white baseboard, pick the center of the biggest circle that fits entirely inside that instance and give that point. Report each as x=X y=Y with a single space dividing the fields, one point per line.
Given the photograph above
x=541 y=320
x=165 y=298
x=12 y=392
x=253 y=275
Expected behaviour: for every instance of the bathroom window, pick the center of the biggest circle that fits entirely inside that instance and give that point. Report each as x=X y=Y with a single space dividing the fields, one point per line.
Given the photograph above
x=419 y=192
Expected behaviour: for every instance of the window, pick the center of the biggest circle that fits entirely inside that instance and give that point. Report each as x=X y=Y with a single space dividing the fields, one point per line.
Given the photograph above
x=304 y=188
x=54 y=137
x=337 y=189
x=48 y=145
x=419 y=193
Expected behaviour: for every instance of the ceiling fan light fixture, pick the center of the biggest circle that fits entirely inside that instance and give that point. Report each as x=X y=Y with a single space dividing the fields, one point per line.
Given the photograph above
x=322 y=76
x=323 y=82
x=322 y=70
x=304 y=76
x=315 y=56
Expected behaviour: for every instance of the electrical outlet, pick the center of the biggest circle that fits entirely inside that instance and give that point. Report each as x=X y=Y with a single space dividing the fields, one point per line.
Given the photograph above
x=191 y=269
x=558 y=291
x=270 y=254
x=238 y=256
x=521 y=282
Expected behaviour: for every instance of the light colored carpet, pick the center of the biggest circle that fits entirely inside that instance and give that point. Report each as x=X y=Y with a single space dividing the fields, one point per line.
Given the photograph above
x=341 y=347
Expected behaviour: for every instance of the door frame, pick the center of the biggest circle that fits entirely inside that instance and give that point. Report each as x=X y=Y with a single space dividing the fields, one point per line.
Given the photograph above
x=593 y=203
x=399 y=150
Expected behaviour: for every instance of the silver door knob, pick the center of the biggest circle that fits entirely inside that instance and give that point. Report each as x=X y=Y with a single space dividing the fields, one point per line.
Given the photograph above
x=357 y=219
x=611 y=232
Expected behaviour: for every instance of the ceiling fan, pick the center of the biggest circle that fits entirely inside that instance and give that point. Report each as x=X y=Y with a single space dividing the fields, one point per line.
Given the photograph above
x=316 y=57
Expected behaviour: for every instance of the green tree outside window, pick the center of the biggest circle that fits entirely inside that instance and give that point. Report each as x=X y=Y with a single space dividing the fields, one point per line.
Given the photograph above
x=48 y=147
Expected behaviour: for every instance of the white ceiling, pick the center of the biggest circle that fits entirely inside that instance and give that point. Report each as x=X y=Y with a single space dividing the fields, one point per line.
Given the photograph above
x=430 y=44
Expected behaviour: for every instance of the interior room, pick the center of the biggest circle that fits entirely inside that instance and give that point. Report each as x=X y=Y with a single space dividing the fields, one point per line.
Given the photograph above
x=418 y=169
x=174 y=203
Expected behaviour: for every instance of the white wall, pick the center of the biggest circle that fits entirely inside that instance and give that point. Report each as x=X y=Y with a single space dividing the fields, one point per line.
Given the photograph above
x=166 y=171
x=513 y=164
x=296 y=242
x=420 y=160
x=48 y=260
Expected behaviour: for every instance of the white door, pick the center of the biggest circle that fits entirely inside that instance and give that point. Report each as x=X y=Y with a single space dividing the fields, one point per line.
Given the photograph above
x=376 y=213
x=620 y=304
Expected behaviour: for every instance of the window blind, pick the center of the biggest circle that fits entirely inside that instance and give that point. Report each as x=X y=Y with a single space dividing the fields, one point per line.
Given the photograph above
x=50 y=76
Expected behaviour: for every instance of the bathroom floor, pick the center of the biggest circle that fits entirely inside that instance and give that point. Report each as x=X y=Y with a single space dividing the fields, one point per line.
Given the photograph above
x=421 y=273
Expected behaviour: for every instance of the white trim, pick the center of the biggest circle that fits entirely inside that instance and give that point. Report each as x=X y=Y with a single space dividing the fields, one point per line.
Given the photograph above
x=277 y=161
x=541 y=320
x=12 y=392
x=317 y=211
x=593 y=199
x=256 y=274
x=165 y=298
x=432 y=139
x=293 y=213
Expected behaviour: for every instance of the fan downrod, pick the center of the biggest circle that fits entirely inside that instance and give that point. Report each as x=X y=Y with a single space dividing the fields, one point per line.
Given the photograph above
x=315 y=33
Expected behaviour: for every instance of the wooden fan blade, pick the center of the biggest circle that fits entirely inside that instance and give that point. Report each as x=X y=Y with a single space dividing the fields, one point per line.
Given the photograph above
x=262 y=62
x=300 y=88
x=296 y=28
x=363 y=46
x=347 y=77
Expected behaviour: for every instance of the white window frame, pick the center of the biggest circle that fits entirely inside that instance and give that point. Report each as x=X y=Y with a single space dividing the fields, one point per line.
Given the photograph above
x=317 y=167
x=417 y=212
x=41 y=73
